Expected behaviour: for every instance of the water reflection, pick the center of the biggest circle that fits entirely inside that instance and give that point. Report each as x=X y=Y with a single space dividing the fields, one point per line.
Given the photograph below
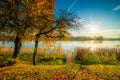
x=89 y=44
x=70 y=45
x=98 y=41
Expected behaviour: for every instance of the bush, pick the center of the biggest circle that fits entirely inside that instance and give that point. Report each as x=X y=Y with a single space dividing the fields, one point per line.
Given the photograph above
x=51 y=61
x=113 y=59
x=59 y=62
x=89 y=59
x=25 y=56
x=109 y=56
x=109 y=59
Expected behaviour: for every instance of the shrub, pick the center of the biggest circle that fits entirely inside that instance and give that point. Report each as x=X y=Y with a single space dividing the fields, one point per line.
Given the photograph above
x=104 y=58
x=99 y=56
x=59 y=62
x=25 y=56
x=109 y=59
x=51 y=61
x=89 y=59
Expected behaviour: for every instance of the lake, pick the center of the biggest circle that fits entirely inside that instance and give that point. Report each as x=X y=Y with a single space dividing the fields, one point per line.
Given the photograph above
x=70 y=45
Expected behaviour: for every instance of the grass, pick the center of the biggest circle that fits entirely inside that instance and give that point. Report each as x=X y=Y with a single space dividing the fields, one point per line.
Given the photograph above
x=29 y=72
x=101 y=64
x=107 y=72
x=20 y=71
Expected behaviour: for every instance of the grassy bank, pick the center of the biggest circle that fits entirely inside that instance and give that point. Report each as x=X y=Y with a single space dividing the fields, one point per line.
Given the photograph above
x=21 y=71
x=100 y=64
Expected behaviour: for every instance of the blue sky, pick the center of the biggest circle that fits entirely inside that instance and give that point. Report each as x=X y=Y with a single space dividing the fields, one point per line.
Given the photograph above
x=100 y=17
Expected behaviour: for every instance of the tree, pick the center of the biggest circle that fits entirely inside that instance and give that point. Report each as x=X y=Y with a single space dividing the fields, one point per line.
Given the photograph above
x=100 y=38
x=58 y=28
x=23 y=18
x=43 y=20
x=15 y=19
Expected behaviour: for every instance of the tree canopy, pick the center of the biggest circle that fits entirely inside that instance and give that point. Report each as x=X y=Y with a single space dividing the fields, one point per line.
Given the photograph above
x=24 y=19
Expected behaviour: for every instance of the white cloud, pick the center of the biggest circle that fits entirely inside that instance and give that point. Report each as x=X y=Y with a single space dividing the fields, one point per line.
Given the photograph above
x=117 y=8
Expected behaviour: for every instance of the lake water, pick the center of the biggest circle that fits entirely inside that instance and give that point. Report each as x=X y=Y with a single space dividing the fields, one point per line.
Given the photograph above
x=70 y=45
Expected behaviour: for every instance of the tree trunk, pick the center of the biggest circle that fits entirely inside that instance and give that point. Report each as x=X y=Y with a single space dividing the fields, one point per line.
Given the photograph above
x=35 y=51
x=17 y=48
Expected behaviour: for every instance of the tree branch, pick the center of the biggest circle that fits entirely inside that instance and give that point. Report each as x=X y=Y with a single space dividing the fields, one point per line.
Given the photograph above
x=40 y=33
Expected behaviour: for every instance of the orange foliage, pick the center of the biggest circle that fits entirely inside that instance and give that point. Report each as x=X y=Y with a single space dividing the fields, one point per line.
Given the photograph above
x=42 y=11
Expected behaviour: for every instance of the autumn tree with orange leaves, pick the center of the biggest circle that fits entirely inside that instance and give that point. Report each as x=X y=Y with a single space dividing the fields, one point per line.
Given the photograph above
x=15 y=19
x=26 y=18
x=48 y=26
x=43 y=12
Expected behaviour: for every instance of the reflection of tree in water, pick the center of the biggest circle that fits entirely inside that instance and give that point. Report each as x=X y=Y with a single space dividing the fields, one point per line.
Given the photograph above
x=49 y=50
x=98 y=41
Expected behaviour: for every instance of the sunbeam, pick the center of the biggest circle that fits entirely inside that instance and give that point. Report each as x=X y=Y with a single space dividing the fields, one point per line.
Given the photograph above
x=70 y=7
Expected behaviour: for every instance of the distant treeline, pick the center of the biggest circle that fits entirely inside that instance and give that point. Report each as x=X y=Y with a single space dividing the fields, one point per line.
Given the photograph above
x=87 y=38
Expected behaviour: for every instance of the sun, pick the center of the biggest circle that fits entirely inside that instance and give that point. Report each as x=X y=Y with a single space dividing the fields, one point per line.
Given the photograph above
x=93 y=29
